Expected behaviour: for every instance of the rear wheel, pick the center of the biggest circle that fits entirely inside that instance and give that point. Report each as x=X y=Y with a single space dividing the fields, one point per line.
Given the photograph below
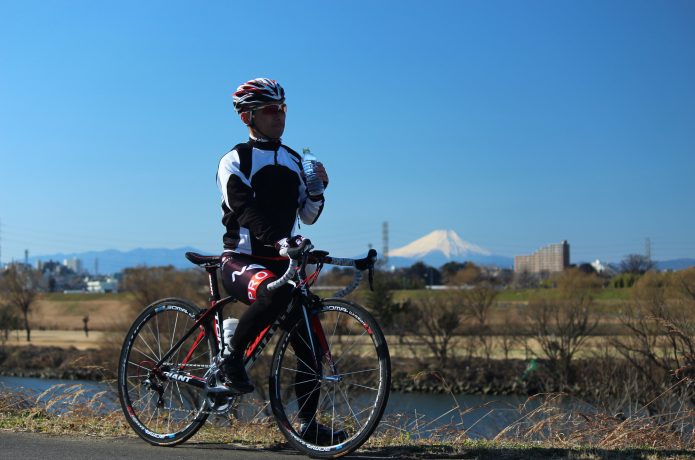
x=352 y=381
x=163 y=409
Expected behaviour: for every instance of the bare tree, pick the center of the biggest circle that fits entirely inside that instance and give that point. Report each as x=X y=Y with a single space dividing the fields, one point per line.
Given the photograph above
x=636 y=263
x=562 y=326
x=660 y=346
x=9 y=320
x=149 y=284
x=19 y=286
x=434 y=323
x=477 y=303
x=508 y=333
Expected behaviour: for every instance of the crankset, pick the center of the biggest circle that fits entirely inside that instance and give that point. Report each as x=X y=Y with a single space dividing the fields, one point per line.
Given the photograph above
x=219 y=399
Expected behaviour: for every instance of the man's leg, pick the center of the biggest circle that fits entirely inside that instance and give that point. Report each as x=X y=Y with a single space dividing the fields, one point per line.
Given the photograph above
x=308 y=390
x=247 y=280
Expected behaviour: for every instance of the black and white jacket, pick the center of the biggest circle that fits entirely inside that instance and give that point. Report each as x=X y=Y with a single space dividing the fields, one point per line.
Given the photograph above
x=263 y=191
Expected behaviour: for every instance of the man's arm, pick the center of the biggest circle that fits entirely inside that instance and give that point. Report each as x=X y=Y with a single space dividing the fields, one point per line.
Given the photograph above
x=311 y=206
x=310 y=209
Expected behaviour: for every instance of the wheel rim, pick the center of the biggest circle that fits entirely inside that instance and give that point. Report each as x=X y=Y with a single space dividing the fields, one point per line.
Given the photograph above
x=160 y=407
x=351 y=396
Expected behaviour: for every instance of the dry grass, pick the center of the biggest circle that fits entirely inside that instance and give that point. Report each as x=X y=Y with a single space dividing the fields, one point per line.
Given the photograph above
x=547 y=430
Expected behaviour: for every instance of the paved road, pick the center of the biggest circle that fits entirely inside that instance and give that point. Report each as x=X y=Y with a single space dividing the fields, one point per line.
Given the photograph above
x=24 y=446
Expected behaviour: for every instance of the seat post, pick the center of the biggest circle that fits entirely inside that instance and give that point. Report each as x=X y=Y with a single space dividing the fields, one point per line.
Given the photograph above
x=214 y=285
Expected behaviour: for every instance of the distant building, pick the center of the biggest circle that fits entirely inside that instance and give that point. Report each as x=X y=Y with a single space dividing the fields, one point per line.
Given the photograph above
x=598 y=266
x=551 y=258
x=102 y=285
x=74 y=264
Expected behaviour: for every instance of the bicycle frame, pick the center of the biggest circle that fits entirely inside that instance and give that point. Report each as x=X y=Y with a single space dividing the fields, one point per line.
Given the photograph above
x=214 y=315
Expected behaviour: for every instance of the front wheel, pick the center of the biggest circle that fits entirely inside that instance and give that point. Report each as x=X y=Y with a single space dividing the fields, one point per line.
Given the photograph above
x=345 y=390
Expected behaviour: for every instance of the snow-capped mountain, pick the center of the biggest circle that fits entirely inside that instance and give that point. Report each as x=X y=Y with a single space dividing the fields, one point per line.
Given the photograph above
x=442 y=246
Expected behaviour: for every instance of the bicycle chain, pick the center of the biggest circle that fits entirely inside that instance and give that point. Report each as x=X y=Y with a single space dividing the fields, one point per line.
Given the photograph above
x=191 y=412
x=196 y=366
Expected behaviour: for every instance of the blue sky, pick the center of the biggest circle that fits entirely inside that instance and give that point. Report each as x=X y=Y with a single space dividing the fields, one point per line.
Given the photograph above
x=516 y=124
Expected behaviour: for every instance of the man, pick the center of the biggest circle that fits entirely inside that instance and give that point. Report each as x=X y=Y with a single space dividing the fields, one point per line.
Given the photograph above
x=263 y=191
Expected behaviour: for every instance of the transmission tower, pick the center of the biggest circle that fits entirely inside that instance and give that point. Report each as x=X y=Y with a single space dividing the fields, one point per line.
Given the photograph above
x=648 y=248
x=385 y=240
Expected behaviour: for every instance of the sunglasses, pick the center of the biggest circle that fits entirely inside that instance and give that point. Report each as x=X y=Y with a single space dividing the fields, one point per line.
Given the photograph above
x=272 y=109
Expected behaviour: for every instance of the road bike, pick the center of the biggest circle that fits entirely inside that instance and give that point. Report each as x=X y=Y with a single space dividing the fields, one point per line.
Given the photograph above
x=169 y=378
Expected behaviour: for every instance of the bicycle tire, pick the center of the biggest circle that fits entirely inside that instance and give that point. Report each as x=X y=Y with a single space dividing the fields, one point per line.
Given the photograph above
x=354 y=398
x=152 y=334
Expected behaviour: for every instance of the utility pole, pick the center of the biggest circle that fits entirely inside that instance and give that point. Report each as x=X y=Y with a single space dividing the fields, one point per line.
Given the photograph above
x=385 y=241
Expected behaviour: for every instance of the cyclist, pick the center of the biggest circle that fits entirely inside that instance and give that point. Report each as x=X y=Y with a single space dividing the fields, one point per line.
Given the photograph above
x=263 y=191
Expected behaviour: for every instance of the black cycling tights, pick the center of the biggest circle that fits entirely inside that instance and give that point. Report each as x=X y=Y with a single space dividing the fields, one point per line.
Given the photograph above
x=246 y=278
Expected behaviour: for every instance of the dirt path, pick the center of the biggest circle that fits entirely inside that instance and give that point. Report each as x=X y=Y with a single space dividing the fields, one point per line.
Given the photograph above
x=62 y=339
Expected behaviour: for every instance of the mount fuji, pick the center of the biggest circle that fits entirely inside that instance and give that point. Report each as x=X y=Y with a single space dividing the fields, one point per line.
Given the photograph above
x=442 y=246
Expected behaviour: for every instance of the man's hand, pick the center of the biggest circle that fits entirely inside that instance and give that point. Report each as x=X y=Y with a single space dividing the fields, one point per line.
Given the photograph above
x=321 y=172
x=290 y=247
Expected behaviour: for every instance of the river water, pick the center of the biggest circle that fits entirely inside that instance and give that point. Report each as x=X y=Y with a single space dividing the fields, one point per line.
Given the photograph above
x=481 y=417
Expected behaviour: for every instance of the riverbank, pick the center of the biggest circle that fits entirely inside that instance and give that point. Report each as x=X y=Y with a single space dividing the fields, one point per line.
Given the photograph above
x=57 y=363
x=597 y=380
x=475 y=377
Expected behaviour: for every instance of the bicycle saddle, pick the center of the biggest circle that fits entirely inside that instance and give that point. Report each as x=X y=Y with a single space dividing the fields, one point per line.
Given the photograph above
x=199 y=259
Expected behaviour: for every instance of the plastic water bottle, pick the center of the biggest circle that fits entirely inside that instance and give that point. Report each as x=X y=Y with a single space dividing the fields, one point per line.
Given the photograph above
x=228 y=327
x=314 y=184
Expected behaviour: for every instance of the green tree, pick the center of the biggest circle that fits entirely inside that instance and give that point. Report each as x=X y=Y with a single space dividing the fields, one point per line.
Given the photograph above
x=449 y=270
x=380 y=302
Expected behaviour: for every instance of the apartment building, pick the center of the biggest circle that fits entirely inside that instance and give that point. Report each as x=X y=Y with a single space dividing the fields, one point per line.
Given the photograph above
x=551 y=258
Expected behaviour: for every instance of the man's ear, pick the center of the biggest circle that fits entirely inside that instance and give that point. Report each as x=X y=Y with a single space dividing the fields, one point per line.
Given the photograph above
x=246 y=117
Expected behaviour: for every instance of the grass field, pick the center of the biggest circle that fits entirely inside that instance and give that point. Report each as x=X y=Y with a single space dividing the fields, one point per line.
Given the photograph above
x=57 y=319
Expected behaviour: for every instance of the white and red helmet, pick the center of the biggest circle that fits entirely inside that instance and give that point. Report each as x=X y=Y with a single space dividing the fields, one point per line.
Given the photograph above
x=256 y=93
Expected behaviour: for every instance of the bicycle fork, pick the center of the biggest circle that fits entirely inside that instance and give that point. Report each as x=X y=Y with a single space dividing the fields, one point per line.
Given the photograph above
x=316 y=332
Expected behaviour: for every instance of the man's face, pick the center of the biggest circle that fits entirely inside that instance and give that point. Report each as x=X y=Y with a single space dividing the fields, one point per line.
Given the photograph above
x=270 y=120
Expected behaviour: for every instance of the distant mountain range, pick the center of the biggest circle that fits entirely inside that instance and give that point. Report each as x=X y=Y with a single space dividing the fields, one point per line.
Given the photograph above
x=434 y=249
x=675 y=264
x=113 y=261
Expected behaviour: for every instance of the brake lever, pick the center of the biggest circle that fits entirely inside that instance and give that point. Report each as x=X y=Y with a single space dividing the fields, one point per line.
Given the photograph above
x=370 y=274
x=305 y=258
